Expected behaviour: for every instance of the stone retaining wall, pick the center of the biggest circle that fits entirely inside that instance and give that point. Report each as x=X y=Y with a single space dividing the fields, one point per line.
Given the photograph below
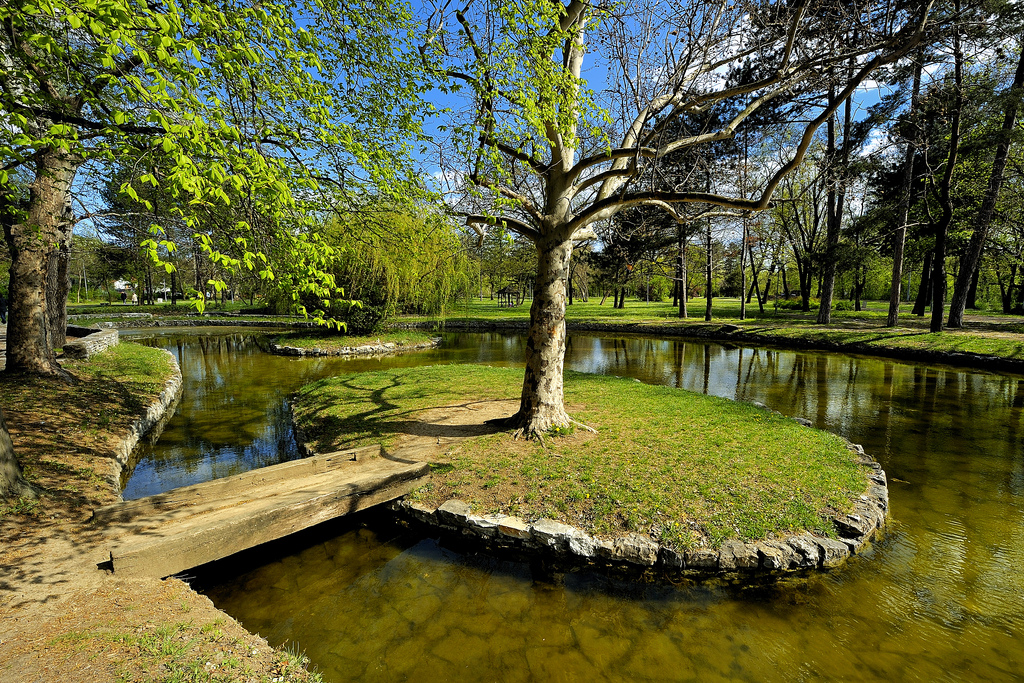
x=149 y=425
x=87 y=316
x=574 y=547
x=364 y=350
x=95 y=342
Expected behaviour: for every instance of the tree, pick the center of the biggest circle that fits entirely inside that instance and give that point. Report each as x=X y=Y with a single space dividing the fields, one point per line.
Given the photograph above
x=799 y=216
x=239 y=97
x=12 y=480
x=903 y=212
x=387 y=261
x=290 y=104
x=542 y=157
x=972 y=257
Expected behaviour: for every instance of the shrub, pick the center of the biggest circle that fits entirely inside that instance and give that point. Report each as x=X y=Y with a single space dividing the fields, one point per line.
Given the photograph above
x=843 y=305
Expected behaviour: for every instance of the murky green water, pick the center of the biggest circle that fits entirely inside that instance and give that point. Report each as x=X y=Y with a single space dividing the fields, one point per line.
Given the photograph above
x=941 y=598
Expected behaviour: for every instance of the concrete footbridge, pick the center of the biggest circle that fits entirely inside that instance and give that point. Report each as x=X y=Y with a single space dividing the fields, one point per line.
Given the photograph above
x=183 y=528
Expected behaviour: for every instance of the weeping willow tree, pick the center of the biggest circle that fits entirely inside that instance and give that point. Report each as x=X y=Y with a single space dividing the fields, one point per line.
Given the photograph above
x=383 y=262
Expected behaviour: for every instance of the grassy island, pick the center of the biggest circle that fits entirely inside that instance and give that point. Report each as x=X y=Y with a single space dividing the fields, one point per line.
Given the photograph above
x=328 y=341
x=684 y=468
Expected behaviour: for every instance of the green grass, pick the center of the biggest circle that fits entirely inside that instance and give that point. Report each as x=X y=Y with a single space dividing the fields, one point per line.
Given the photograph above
x=138 y=369
x=682 y=467
x=181 y=653
x=724 y=309
x=327 y=341
x=1002 y=344
x=183 y=306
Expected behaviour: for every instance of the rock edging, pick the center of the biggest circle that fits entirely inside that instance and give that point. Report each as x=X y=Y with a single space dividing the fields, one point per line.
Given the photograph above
x=87 y=316
x=92 y=343
x=575 y=547
x=149 y=425
x=364 y=350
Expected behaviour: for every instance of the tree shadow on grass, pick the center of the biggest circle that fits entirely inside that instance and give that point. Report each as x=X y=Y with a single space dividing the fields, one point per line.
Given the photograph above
x=382 y=418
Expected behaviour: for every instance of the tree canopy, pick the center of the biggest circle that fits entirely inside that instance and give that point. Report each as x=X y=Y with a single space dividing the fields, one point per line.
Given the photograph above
x=275 y=107
x=544 y=151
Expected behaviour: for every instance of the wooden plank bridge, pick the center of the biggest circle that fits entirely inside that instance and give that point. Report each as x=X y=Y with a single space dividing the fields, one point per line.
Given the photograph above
x=183 y=528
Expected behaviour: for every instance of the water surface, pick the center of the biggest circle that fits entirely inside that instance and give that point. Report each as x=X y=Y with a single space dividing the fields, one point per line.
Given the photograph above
x=940 y=598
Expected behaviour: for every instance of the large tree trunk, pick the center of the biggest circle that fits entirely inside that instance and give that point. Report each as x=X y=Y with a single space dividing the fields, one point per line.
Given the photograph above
x=836 y=200
x=684 y=284
x=30 y=347
x=541 y=405
x=743 y=269
x=972 y=291
x=806 y=276
x=708 y=274
x=972 y=257
x=12 y=480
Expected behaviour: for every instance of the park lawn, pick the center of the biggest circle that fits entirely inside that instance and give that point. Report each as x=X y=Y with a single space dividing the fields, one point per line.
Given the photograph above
x=1003 y=344
x=333 y=341
x=687 y=469
x=724 y=309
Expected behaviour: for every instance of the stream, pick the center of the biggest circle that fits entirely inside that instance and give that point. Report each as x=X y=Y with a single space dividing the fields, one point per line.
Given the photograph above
x=940 y=598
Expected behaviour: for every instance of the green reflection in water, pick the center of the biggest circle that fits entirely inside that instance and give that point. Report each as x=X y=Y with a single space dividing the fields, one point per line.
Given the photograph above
x=939 y=599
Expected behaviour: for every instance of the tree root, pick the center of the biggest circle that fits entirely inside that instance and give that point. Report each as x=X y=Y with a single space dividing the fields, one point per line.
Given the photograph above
x=583 y=426
x=520 y=427
x=20 y=489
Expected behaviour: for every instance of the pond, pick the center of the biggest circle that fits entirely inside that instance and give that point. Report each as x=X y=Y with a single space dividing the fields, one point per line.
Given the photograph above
x=940 y=598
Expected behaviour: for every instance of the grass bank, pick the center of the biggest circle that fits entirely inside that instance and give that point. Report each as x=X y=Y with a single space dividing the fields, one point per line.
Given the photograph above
x=686 y=469
x=64 y=433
